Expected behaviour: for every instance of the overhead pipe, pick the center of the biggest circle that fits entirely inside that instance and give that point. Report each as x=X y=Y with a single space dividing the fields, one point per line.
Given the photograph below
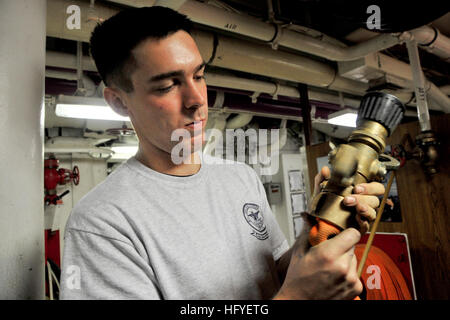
x=284 y=107
x=252 y=27
x=269 y=150
x=241 y=55
x=281 y=140
x=402 y=70
x=439 y=97
x=239 y=121
x=263 y=61
x=241 y=24
x=61 y=144
x=65 y=60
x=433 y=41
x=249 y=26
x=277 y=36
x=272 y=88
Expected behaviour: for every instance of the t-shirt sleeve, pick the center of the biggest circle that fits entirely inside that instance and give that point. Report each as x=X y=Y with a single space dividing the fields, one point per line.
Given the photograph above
x=278 y=239
x=98 y=267
x=279 y=242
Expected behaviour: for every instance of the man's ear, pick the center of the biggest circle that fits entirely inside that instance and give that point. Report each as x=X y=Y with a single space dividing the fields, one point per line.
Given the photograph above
x=116 y=100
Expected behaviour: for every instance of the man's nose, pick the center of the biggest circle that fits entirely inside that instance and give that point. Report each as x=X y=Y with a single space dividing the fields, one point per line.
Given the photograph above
x=193 y=95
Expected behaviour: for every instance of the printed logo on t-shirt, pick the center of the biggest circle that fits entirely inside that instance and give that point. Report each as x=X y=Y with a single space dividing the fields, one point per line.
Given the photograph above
x=255 y=219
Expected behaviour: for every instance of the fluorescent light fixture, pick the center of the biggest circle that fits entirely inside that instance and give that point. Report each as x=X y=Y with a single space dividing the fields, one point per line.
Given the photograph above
x=345 y=118
x=85 y=108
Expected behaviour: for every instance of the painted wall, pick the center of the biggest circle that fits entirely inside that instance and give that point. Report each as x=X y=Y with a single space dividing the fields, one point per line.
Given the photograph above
x=22 y=71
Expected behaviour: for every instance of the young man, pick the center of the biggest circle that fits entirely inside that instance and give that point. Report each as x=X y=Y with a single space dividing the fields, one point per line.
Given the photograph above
x=155 y=229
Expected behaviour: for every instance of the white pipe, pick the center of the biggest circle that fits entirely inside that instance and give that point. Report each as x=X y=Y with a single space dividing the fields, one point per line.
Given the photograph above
x=282 y=139
x=433 y=41
x=22 y=75
x=63 y=60
x=419 y=86
x=242 y=55
x=272 y=88
x=403 y=70
x=75 y=145
x=92 y=150
x=237 y=54
x=239 y=121
x=332 y=52
x=258 y=114
x=228 y=21
x=246 y=25
x=257 y=29
x=439 y=97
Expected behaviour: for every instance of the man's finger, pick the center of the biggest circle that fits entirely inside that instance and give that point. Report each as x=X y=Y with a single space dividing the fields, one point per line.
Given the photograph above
x=341 y=243
x=365 y=212
x=324 y=174
x=353 y=200
x=363 y=225
x=372 y=188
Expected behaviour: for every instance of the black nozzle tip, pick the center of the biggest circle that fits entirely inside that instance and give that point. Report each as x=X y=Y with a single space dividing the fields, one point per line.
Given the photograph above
x=383 y=108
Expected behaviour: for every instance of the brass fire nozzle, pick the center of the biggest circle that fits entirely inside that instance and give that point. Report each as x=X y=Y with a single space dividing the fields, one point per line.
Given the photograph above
x=361 y=159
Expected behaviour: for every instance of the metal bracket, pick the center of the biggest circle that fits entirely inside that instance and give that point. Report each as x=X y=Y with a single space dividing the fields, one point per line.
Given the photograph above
x=278 y=34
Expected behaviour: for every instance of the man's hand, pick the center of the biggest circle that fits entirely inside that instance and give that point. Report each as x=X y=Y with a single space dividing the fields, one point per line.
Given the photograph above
x=327 y=271
x=319 y=272
x=364 y=198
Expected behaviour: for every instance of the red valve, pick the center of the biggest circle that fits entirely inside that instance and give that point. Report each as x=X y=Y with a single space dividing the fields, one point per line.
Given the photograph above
x=76 y=175
x=54 y=177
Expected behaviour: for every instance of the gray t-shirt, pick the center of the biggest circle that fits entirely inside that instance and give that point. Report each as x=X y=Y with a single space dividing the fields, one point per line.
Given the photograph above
x=142 y=234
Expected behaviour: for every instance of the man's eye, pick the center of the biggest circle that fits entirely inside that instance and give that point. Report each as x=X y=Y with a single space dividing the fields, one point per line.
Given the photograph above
x=165 y=89
x=199 y=77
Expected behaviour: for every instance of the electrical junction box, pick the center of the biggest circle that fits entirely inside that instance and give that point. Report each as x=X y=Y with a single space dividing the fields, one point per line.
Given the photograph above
x=273 y=191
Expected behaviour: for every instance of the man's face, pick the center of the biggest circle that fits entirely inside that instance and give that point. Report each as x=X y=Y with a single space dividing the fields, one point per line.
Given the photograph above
x=169 y=91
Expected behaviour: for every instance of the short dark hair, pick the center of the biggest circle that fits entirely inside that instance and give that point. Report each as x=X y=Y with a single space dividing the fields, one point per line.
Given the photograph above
x=113 y=40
